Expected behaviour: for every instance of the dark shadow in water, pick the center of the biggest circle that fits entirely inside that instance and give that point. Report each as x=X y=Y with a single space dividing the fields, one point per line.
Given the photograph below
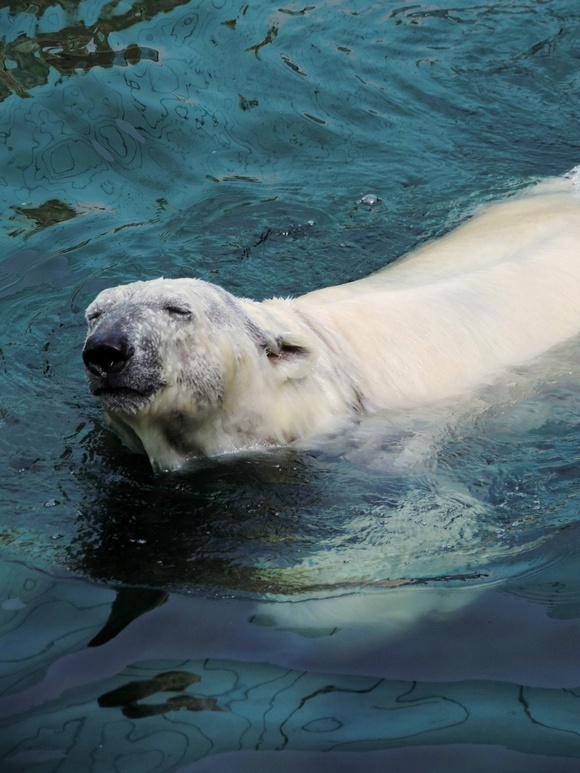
x=250 y=524
x=127 y=697
x=129 y=604
x=212 y=530
x=226 y=526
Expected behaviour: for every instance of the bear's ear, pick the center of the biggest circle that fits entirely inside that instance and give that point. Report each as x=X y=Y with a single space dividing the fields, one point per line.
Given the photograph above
x=291 y=354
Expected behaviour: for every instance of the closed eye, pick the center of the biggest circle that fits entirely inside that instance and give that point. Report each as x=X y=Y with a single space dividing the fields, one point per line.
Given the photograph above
x=178 y=309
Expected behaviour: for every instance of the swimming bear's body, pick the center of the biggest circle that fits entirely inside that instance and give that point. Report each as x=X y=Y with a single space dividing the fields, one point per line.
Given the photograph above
x=185 y=369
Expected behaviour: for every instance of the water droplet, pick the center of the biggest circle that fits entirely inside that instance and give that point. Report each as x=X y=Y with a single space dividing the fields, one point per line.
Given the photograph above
x=369 y=198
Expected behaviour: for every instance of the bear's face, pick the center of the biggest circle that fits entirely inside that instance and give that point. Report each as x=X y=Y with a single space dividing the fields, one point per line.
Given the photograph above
x=149 y=337
x=184 y=366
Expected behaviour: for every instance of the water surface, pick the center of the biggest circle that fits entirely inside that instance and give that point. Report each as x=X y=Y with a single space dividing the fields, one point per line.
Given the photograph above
x=405 y=594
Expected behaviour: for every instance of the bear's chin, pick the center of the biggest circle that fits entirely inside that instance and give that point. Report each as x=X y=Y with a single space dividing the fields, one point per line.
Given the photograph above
x=124 y=399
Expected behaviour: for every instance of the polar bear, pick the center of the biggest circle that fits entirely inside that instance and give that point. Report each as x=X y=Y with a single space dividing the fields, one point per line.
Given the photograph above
x=186 y=370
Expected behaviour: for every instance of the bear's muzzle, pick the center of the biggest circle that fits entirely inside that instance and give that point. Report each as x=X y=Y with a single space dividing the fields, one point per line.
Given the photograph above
x=122 y=366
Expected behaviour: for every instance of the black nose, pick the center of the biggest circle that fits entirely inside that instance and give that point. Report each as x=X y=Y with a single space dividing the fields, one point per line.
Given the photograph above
x=107 y=353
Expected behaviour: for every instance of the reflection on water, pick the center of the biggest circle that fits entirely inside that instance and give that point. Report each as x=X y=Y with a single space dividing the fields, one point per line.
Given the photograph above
x=71 y=45
x=240 y=144
x=457 y=494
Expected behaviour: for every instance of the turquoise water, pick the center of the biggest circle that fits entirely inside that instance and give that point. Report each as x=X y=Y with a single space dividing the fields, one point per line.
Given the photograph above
x=404 y=596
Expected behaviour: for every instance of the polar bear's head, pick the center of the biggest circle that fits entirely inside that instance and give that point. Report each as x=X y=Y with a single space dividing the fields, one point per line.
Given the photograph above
x=184 y=363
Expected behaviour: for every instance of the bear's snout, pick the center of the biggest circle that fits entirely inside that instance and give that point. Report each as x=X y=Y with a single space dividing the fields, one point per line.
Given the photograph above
x=107 y=354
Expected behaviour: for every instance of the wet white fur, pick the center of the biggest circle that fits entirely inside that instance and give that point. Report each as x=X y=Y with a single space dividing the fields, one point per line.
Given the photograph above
x=496 y=292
